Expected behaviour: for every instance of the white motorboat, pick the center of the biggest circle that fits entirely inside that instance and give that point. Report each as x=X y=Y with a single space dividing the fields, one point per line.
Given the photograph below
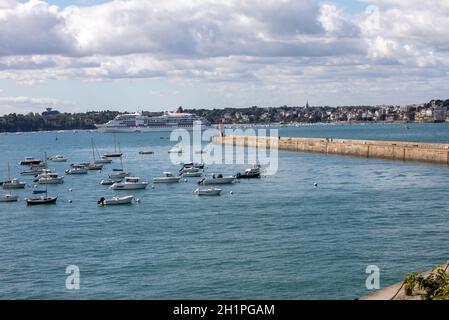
x=167 y=178
x=189 y=170
x=250 y=173
x=194 y=174
x=207 y=192
x=51 y=178
x=58 y=158
x=14 y=184
x=217 y=180
x=8 y=198
x=44 y=173
x=130 y=183
x=77 y=169
x=116 y=201
x=193 y=165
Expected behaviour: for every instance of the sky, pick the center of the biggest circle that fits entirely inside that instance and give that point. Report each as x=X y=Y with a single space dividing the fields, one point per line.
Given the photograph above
x=155 y=55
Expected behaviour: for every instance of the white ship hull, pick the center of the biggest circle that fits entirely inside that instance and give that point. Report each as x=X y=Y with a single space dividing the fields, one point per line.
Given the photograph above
x=169 y=121
x=145 y=129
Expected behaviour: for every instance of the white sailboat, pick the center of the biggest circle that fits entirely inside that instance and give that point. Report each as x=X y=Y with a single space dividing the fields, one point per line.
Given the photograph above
x=13 y=183
x=116 y=153
x=119 y=173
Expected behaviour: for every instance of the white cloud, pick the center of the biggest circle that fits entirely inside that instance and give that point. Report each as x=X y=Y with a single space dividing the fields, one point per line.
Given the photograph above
x=302 y=46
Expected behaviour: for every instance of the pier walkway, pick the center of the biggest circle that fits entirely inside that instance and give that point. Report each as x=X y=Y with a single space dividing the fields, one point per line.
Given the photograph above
x=394 y=150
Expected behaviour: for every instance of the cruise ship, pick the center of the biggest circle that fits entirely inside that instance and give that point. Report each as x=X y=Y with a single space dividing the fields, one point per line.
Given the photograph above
x=136 y=122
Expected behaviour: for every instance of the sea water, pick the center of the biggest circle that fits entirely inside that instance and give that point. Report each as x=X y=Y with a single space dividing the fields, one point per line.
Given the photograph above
x=278 y=237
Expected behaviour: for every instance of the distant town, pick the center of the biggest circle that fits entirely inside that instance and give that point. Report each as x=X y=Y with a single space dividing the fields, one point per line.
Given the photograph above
x=434 y=111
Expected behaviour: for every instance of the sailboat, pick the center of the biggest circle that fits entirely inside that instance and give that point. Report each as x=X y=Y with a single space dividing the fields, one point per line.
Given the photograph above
x=44 y=199
x=102 y=159
x=94 y=165
x=116 y=153
x=119 y=173
x=14 y=183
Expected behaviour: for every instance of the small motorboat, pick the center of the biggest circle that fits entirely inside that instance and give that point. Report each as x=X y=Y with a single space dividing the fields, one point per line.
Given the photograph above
x=95 y=166
x=41 y=200
x=167 y=178
x=189 y=170
x=8 y=198
x=29 y=161
x=116 y=201
x=144 y=152
x=130 y=183
x=250 y=173
x=58 y=158
x=217 y=180
x=108 y=182
x=207 y=192
x=77 y=169
x=193 y=174
x=13 y=184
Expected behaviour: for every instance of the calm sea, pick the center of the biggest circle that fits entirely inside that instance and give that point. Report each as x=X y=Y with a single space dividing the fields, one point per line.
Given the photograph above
x=274 y=238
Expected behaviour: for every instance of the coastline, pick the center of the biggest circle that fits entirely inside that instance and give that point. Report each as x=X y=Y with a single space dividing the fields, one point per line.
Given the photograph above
x=397 y=291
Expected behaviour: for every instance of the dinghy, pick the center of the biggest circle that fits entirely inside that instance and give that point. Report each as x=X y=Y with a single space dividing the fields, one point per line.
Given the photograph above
x=8 y=198
x=116 y=201
x=207 y=192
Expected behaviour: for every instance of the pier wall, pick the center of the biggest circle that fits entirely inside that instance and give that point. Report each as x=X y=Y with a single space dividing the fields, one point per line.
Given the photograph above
x=393 y=150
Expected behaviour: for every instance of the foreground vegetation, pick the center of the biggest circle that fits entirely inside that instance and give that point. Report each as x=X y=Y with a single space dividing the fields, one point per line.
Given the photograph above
x=434 y=286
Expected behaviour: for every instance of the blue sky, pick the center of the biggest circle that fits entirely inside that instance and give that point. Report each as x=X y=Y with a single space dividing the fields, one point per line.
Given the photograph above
x=159 y=54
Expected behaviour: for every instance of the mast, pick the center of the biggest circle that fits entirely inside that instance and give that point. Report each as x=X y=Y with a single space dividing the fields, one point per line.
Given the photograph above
x=9 y=172
x=93 y=150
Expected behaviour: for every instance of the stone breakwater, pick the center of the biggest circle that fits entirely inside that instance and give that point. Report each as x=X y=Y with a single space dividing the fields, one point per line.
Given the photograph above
x=437 y=153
